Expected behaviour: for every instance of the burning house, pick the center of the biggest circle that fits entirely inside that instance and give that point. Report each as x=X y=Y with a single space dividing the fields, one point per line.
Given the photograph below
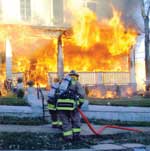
x=100 y=48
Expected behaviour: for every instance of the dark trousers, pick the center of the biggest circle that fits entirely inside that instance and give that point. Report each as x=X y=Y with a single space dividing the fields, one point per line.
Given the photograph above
x=55 y=118
x=71 y=123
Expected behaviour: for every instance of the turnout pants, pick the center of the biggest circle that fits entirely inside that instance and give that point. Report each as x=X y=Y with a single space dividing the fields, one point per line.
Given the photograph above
x=56 y=122
x=71 y=123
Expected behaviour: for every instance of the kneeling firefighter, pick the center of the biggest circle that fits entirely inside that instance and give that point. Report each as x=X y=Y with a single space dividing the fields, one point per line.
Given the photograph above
x=71 y=97
x=52 y=100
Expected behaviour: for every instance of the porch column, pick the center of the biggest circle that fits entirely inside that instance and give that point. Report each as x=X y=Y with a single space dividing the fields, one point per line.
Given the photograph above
x=60 y=61
x=132 y=66
x=8 y=59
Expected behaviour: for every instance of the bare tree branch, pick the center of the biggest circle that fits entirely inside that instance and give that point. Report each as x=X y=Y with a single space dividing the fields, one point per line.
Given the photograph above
x=148 y=12
x=143 y=9
x=144 y=13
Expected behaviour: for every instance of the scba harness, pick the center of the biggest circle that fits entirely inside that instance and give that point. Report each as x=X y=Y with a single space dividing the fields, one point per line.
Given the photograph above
x=68 y=99
x=52 y=97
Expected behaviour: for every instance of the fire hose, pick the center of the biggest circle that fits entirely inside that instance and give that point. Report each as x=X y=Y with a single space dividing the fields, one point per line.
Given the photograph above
x=101 y=129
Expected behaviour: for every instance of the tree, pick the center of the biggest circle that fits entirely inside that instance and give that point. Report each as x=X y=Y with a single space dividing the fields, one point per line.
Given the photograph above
x=146 y=16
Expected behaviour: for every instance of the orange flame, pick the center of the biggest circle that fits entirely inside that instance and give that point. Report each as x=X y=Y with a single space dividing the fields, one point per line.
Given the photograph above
x=86 y=29
x=110 y=94
x=98 y=45
x=93 y=46
x=95 y=93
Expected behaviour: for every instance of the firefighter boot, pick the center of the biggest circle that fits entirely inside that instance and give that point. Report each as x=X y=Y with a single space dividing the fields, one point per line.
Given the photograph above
x=76 y=137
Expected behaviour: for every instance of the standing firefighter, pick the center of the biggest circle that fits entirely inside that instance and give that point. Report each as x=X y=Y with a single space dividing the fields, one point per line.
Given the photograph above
x=52 y=100
x=71 y=97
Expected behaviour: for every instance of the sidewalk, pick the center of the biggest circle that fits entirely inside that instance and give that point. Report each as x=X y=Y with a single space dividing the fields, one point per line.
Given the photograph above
x=47 y=129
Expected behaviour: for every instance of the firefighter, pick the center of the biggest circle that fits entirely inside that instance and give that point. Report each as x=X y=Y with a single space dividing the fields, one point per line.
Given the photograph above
x=67 y=104
x=52 y=99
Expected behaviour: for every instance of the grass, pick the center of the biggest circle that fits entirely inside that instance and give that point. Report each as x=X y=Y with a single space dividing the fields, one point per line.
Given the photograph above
x=22 y=121
x=134 y=101
x=46 y=141
x=11 y=99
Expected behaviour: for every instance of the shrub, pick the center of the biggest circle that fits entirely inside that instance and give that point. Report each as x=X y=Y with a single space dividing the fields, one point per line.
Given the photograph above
x=19 y=80
x=147 y=94
x=20 y=93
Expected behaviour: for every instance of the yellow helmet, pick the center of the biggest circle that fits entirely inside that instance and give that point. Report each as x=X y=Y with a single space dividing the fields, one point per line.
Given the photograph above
x=73 y=73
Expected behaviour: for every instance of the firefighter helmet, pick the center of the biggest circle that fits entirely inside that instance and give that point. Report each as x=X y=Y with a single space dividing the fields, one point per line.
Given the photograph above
x=73 y=73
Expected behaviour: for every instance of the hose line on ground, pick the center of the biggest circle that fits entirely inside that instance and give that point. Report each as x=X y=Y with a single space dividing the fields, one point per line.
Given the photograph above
x=101 y=129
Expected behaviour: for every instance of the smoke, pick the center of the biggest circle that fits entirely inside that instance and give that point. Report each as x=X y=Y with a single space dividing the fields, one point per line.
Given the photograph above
x=130 y=9
x=131 y=12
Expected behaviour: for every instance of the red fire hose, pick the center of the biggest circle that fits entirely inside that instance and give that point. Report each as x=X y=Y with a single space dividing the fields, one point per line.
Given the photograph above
x=99 y=131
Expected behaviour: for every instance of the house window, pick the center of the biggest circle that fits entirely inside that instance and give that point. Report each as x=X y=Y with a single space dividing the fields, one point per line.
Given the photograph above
x=25 y=10
x=58 y=12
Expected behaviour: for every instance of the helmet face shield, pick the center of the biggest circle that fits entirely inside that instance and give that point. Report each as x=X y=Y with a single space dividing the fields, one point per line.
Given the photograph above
x=75 y=77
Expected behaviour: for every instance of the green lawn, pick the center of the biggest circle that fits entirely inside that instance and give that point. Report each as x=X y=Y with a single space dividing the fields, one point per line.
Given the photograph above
x=134 y=101
x=12 y=100
x=23 y=120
